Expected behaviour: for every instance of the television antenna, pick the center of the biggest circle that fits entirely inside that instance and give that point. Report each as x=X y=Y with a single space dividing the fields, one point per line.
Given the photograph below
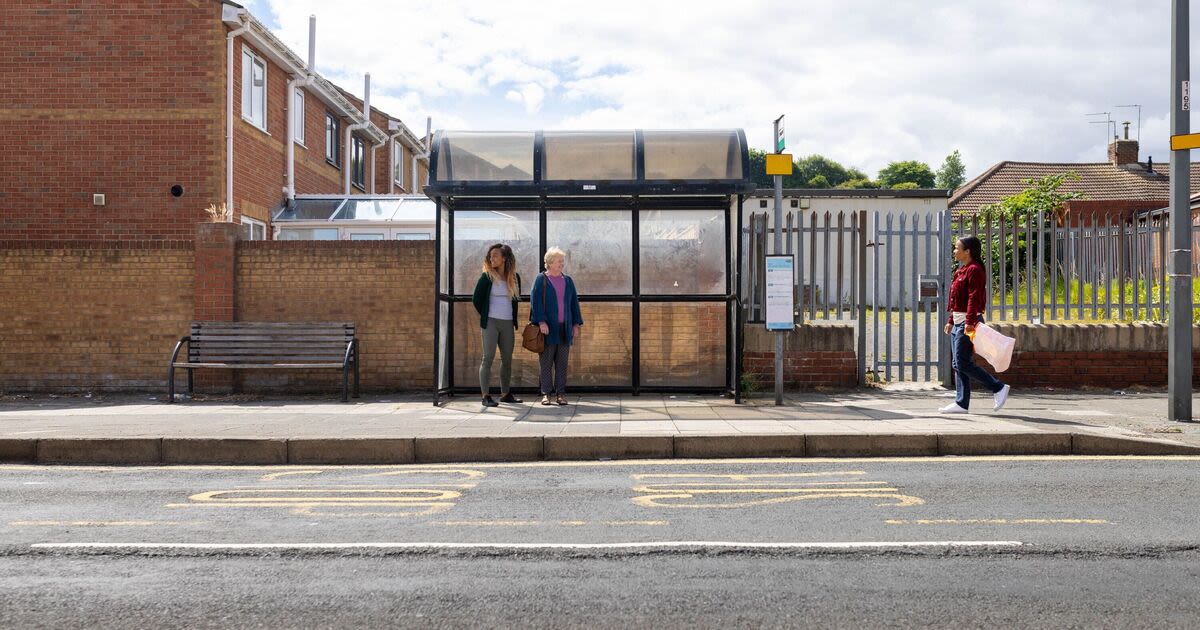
x=1108 y=123
x=1139 y=120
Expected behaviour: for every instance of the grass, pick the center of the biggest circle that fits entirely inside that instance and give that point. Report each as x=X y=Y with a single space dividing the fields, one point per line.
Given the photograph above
x=1077 y=291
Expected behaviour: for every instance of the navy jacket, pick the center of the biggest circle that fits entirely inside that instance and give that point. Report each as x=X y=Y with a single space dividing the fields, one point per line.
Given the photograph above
x=550 y=314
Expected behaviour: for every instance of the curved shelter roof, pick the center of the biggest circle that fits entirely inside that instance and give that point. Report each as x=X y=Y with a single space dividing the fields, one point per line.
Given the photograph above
x=589 y=163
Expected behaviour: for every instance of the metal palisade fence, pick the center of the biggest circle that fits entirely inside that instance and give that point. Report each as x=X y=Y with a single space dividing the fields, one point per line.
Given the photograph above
x=878 y=271
x=1097 y=268
x=888 y=273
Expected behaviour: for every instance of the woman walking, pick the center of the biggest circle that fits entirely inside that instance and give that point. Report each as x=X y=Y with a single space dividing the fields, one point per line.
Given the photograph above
x=495 y=300
x=555 y=309
x=968 y=298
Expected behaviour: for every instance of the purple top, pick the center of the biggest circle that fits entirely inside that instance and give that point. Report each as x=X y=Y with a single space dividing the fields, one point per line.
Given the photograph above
x=560 y=291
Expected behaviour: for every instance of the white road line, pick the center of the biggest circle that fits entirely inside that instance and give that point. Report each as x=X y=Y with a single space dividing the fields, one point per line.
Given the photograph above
x=666 y=544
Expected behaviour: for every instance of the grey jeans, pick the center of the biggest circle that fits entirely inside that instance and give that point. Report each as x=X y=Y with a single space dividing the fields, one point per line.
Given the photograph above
x=498 y=332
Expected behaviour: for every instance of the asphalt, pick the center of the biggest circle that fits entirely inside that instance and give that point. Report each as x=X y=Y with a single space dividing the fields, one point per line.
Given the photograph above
x=856 y=543
x=407 y=428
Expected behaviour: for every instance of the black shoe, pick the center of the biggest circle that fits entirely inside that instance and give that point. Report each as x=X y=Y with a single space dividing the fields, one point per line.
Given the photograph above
x=489 y=402
x=509 y=398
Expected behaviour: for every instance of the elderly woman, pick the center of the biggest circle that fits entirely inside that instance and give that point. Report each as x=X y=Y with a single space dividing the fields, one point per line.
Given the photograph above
x=555 y=309
x=495 y=300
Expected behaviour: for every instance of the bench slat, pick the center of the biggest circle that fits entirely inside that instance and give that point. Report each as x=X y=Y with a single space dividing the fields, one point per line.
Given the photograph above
x=255 y=366
x=252 y=341
x=274 y=324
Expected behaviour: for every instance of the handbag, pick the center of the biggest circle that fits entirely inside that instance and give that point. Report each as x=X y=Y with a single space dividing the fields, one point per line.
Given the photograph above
x=532 y=338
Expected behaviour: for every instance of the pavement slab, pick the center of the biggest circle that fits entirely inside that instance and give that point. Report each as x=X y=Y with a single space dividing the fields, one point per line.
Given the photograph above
x=90 y=429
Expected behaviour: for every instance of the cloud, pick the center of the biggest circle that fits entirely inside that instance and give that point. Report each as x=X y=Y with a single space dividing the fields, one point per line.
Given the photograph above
x=865 y=82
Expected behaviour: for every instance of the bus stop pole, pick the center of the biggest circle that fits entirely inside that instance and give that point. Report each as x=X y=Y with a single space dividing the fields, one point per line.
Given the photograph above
x=778 y=245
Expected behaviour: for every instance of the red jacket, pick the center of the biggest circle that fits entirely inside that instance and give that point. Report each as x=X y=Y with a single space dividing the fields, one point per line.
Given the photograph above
x=968 y=292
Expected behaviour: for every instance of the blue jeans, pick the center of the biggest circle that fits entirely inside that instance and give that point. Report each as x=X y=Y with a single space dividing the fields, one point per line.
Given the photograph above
x=965 y=368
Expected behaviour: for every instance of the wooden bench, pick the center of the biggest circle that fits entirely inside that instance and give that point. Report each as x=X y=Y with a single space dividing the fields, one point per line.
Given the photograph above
x=264 y=345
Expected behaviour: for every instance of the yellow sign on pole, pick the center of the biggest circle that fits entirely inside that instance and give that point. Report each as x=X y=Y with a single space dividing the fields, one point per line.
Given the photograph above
x=779 y=164
x=1186 y=141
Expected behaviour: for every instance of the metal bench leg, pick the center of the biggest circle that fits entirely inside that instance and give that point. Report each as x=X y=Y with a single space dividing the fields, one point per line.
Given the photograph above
x=191 y=383
x=345 y=383
x=356 y=389
x=170 y=383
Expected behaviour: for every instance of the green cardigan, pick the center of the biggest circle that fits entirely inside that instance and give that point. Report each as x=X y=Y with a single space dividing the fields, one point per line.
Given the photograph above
x=482 y=299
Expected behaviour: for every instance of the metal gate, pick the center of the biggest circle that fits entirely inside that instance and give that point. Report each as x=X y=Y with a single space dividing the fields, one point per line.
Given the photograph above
x=884 y=272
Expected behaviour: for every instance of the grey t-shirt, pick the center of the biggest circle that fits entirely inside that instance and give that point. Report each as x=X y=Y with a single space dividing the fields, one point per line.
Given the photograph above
x=499 y=304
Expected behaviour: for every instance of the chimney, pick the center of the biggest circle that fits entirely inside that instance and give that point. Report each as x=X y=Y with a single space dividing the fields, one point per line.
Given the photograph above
x=1123 y=151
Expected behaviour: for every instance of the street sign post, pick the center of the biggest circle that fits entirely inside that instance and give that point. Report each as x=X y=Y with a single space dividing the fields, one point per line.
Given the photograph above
x=1179 y=335
x=778 y=249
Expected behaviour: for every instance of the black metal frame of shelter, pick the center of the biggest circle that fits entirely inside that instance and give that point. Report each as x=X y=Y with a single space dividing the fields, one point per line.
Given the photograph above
x=633 y=196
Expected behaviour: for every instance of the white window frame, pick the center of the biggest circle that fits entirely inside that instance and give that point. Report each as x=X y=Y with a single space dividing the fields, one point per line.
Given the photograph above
x=411 y=235
x=367 y=234
x=255 y=226
x=358 y=149
x=298 y=115
x=248 y=94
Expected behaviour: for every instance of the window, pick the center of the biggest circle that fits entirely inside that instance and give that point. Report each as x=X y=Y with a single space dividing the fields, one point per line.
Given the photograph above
x=358 y=168
x=308 y=234
x=414 y=236
x=367 y=236
x=298 y=116
x=254 y=89
x=398 y=165
x=253 y=230
x=333 y=142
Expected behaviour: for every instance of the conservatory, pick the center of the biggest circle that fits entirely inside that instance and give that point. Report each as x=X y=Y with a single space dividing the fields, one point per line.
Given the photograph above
x=645 y=219
x=354 y=218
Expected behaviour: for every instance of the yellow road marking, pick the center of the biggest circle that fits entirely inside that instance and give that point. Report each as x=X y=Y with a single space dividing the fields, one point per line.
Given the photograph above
x=1000 y=521
x=777 y=488
x=274 y=476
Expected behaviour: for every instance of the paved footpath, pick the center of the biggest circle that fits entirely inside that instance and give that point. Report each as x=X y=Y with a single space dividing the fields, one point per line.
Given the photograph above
x=132 y=428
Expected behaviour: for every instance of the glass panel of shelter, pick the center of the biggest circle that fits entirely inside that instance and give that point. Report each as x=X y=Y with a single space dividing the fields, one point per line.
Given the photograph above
x=682 y=253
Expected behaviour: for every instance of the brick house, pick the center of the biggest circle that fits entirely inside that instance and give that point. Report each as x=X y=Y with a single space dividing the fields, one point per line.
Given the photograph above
x=119 y=118
x=1117 y=188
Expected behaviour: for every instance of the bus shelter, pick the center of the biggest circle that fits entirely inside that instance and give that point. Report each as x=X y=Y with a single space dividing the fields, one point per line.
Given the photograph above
x=647 y=220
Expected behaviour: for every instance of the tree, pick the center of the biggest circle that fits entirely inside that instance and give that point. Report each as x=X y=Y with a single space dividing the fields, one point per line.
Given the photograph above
x=1042 y=195
x=818 y=182
x=906 y=186
x=952 y=173
x=858 y=183
x=758 y=169
x=913 y=171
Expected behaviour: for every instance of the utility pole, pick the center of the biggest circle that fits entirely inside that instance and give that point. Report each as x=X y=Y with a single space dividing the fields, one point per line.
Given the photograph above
x=1179 y=351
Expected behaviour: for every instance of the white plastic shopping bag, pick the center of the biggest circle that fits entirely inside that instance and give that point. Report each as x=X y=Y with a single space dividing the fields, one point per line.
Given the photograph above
x=993 y=346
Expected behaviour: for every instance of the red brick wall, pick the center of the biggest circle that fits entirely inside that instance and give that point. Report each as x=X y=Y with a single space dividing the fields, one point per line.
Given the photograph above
x=803 y=370
x=814 y=356
x=1069 y=370
x=386 y=288
x=102 y=97
x=92 y=316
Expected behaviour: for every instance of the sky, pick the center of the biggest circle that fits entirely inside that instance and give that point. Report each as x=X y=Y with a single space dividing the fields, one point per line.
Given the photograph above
x=861 y=82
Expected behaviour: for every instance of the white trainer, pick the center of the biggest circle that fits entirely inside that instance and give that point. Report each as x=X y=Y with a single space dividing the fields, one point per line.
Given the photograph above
x=953 y=408
x=1000 y=398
